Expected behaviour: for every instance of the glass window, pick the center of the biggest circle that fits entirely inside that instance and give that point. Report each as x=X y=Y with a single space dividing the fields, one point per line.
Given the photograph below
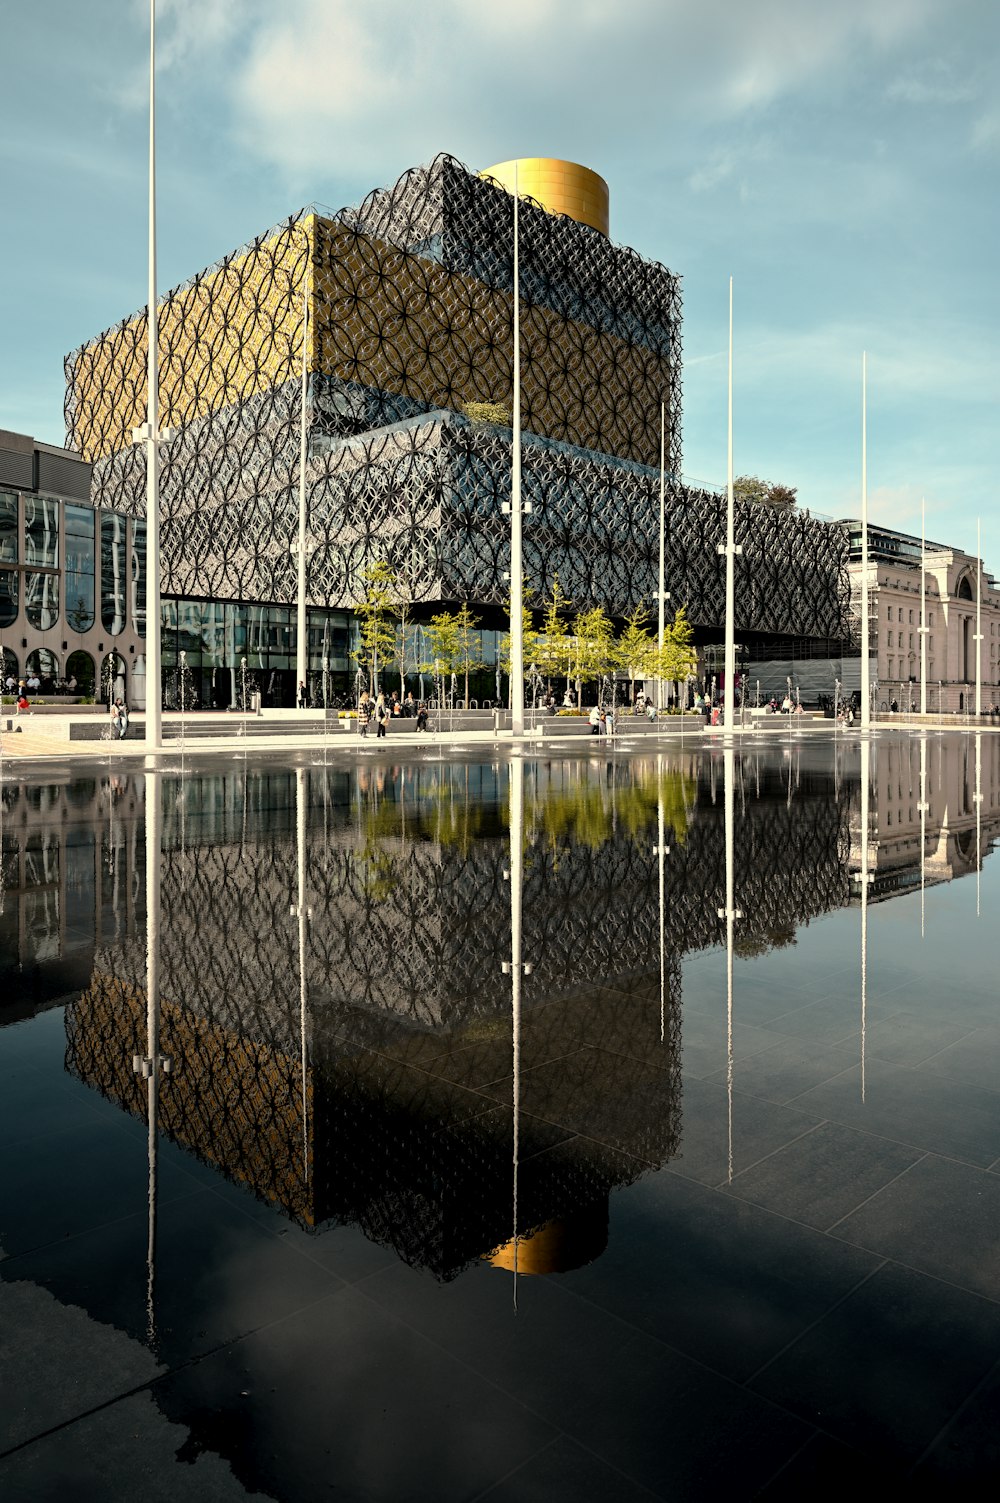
x=139 y=578
x=41 y=532
x=9 y=668
x=8 y=597
x=80 y=533
x=113 y=573
x=44 y=665
x=41 y=600
x=8 y=528
x=80 y=667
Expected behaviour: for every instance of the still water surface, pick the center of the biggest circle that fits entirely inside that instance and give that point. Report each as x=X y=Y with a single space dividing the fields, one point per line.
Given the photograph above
x=575 y=1128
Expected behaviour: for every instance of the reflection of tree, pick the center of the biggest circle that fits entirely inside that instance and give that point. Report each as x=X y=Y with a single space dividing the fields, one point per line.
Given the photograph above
x=80 y=616
x=590 y=814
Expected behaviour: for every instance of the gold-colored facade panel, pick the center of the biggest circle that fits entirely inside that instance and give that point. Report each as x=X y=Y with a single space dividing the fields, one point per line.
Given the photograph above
x=233 y=332
x=561 y=187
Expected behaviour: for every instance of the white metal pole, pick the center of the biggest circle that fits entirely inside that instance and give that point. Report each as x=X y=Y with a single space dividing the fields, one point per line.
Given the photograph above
x=301 y=641
x=516 y=775
x=729 y=695
x=866 y=696
x=516 y=561
x=865 y=882
x=979 y=619
x=661 y=595
x=923 y=607
x=154 y=716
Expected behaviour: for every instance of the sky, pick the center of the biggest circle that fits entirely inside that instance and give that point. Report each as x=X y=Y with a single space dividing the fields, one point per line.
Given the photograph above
x=838 y=160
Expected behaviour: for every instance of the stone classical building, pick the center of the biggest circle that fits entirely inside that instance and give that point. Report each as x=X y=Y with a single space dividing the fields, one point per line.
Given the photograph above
x=952 y=581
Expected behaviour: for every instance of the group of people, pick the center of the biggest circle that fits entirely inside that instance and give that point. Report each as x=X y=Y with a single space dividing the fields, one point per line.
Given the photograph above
x=788 y=706
x=33 y=684
x=386 y=707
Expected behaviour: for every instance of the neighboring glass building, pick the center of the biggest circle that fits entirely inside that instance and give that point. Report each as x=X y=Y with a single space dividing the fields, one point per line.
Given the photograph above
x=410 y=308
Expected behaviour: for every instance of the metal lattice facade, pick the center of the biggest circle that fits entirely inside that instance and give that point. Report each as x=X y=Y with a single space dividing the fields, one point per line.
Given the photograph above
x=411 y=299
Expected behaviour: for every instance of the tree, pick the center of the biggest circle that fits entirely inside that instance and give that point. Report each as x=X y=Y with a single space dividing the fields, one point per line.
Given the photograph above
x=441 y=638
x=594 y=644
x=763 y=492
x=529 y=637
x=378 y=635
x=467 y=642
x=554 y=649
x=679 y=658
x=635 y=650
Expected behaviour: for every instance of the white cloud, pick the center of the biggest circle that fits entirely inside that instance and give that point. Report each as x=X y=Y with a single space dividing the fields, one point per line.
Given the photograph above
x=326 y=82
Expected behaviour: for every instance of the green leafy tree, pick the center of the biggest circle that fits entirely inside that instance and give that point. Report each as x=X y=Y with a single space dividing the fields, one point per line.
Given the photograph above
x=763 y=492
x=679 y=659
x=529 y=635
x=595 y=645
x=635 y=650
x=554 y=648
x=378 y=632
x=468 y=642
x=443 y=648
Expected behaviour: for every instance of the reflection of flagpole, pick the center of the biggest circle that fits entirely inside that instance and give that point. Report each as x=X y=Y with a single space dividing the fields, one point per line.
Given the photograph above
x=303 y=914
x=153 y=1063
x=662 y=850
x=865 y=881
x=730 y=913
x=516 y=968
x=977 y=799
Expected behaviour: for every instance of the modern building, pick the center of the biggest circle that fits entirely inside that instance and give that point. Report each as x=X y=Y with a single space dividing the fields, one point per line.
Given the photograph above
x=409 y=302
x=72 y=578
x=952 y=582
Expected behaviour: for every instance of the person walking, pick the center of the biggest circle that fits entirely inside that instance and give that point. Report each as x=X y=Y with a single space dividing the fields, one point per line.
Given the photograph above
x=595 y=721
x=122 y=720
x=364 y=713
x=381 y=716
x=303 y=697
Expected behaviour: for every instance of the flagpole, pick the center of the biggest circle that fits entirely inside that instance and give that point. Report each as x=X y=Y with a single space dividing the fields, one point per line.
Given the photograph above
x=923 y=608
x=151 y=434
x=730 y=549
x=302 y=643
x=866 y=696
x=516 y=559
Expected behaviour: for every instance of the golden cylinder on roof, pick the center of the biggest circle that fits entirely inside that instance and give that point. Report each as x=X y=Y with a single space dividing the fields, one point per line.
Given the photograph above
x=561 y=187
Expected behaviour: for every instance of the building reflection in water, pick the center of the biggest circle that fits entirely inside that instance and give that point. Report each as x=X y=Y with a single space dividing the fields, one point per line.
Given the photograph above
x=442 y=1002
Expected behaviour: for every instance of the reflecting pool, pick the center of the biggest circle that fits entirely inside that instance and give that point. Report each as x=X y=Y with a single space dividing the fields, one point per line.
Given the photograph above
x=584 y=1127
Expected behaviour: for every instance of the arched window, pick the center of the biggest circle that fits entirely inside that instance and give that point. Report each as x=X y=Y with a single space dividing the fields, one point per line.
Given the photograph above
x=8 y=597
x=80 y=666
x=80 y=568
x=9 y=667
x=965 y=589
x=43 y=665
x=113 y=681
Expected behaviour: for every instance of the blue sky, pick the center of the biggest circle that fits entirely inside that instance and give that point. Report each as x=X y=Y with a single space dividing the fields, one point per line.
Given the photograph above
x=839 y=160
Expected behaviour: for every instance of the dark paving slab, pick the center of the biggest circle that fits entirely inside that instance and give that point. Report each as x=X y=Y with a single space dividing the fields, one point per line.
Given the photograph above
x=927 y=1111
x=59 y=1185
x=909 y=1038
x=56 y=1362
x=942 y=1217
x=759 y=1128
x=823 y=1467
x=705 y=1042
x=788 y=1068
x=122 y=1453
x=975 y=1058
x=345 y=1396
x=967 y=1454
x=890 y=1366
x=722 y=1281
x=824 y=1175
x=218 y=1274
x=565 y=1469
